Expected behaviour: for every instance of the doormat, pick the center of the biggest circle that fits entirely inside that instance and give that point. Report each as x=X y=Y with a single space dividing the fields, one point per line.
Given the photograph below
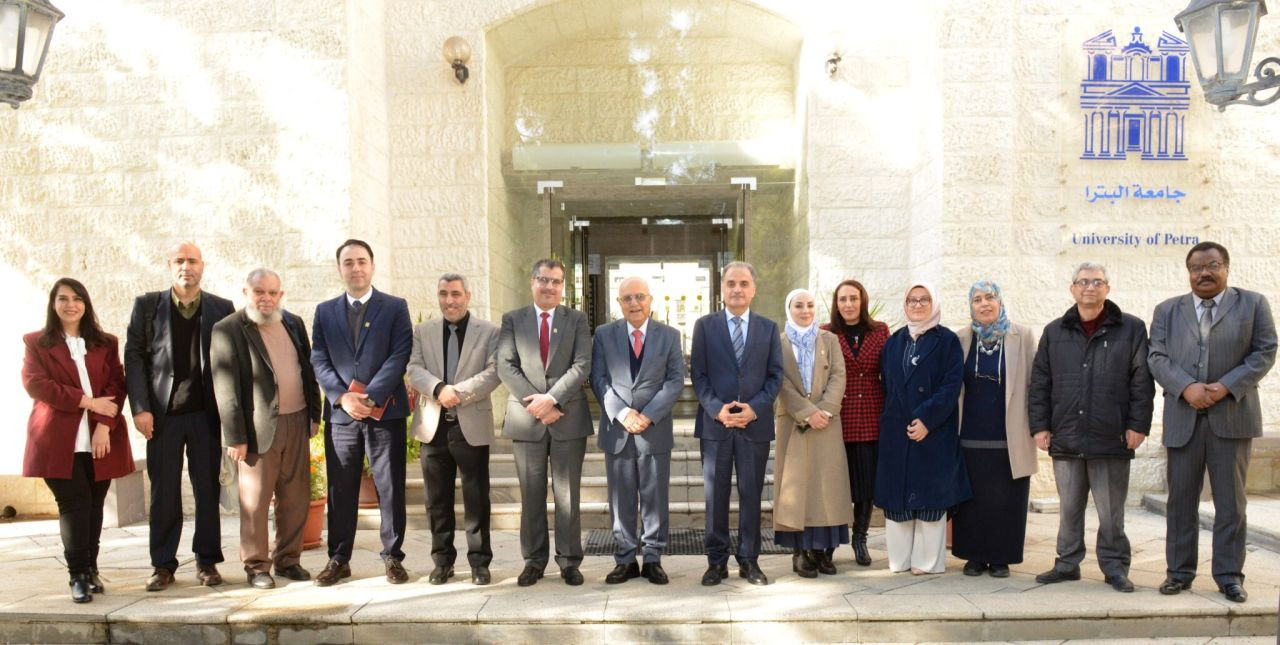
x=679 y=542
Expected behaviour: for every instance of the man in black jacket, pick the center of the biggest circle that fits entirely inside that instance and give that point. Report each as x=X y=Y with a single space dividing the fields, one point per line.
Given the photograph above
x=1090 y=405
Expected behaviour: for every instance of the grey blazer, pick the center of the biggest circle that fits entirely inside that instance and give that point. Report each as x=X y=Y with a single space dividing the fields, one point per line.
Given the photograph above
x=1242 y=349
x=244 y=380
x=653 y=392
x=520 y=369
x=477 y=377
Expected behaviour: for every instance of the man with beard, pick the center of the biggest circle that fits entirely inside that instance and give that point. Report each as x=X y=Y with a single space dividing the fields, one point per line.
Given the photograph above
x=269 y=404
x=1209 y=349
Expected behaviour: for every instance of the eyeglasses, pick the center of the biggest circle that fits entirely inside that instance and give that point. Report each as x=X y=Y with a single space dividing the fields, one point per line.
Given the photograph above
x=1096 y=283
x=919 y=302
x=638 y=298
x=1212 y=267
x=545 y=281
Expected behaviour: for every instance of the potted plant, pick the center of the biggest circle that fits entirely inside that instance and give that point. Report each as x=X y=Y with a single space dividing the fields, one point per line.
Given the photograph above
x=319 y=493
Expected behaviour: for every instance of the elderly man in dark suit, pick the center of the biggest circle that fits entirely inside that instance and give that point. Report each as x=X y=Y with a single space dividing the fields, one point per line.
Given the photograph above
x=1209 y=349
x=360 y=348
x=737 y=373
x=166 y=362
x=637 y=372
x=269 y=405
x=544 y=354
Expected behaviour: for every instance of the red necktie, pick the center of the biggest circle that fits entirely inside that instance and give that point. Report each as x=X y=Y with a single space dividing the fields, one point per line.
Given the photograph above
x=638 y=345
x=544 y=339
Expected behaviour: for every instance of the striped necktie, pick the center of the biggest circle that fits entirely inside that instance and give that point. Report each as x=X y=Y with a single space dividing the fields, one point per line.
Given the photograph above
x=739 y=342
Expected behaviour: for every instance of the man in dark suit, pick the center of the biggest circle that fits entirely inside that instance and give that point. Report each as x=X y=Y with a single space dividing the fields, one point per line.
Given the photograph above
x=637 y=372
x=454 y=369
x=360 y=347
x=544 y=353
x=166 y=359
x=737 y=372
x=269 y=405
x=1209 y=349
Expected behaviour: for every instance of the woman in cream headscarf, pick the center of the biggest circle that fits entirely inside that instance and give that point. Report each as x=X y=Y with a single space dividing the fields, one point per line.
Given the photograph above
x=811 y=511
x=921 y=471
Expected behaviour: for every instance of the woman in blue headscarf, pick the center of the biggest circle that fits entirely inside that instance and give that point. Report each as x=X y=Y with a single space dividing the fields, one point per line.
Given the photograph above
x=995 y=435
x=812 y=508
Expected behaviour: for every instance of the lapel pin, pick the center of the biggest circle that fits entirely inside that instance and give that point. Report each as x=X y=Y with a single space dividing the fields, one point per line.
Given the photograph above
x=366 y=325
x=555 y=330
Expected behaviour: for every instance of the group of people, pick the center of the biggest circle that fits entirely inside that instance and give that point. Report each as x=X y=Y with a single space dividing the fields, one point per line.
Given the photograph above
x=926 y=423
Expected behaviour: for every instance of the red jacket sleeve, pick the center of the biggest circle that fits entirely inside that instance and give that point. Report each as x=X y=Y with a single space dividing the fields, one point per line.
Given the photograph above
x=114 y=386
x=39 y=381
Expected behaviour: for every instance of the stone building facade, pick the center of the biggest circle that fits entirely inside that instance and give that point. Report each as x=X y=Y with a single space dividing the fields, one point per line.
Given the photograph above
x=945 y=145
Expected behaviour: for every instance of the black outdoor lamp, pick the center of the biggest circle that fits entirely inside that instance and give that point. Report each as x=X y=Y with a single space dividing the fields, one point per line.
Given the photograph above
x=1222 y=34
x=25 y=30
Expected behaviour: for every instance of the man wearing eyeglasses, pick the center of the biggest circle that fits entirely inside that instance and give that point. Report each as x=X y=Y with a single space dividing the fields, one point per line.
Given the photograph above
x=544 y=354
x=1209 y=349
x=637 y=372
x=1090 y=407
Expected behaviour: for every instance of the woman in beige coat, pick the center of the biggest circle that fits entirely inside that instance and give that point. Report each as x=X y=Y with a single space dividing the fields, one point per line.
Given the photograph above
x=812 y=507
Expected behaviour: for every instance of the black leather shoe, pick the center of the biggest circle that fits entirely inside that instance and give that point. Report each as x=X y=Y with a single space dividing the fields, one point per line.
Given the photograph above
x=333 y=572
x=261 y=580
x=622 y=573
x=860 y=553
x=572 y=576
x=440 y=575
x=1172 y=587
x=974 y=568
x=80 y=588
x=480 y=576
x=652 y=571
x=396 y=574
x=207 y=575
x=529 y=576
x=999 y=571
x=714 y=575
x=822 y=560
x=294 y=572
x=1054 y=575
x=1234 y=592
x=95 y=583
x=1119 y=583
x=751 y=571
x=802 y=565
x=160 y=579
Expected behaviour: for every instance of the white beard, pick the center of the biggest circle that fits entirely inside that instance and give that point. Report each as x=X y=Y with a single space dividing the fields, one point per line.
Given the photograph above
x=260 y=319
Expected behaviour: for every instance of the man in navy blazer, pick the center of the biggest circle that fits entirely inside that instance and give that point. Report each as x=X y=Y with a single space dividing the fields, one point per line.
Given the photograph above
x=737 y=372
x=360 y=348
x=637 y=372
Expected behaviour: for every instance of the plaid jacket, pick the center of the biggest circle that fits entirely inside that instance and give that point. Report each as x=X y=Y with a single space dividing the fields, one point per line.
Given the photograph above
x=863 y=390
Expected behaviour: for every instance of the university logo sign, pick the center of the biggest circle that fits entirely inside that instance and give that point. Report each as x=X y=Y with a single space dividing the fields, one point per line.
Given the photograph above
x=1135 y=99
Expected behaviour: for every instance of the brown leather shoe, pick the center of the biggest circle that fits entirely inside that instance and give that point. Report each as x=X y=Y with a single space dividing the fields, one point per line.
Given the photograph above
x=395 y=571
x=333 y=572
x=208 y=575
x=160 y=579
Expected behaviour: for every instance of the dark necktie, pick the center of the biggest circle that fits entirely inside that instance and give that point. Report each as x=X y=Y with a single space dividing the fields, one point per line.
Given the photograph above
x=1206 y=324
x=451 y=356
x=355 y=316
x=739 y=340
x=544 y=339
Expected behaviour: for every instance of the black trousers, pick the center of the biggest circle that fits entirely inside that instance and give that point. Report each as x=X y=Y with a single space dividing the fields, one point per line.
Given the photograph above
x=80 y=513
x=195 y=435
x=345 y=447
x=442 y=459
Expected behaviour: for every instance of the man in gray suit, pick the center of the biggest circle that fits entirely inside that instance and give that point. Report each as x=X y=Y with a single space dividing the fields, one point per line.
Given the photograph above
x=1209 y=349
x=637 y=371
x=544 y=353
x=453 y=368
x=269 y=404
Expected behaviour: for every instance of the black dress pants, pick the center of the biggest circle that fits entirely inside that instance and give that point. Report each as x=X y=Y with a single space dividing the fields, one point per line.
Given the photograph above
x=442 y=459
x=345 y=447
x=195 y=435
x=80 y=502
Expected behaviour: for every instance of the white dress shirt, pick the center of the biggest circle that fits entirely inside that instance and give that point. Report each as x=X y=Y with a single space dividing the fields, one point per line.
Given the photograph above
x=75 y=345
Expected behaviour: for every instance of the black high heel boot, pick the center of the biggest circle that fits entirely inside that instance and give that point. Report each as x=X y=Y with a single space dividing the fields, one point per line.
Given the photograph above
x=823 y=563
x=95 y=583
x=861 y=522
x=80 y=588
x=802 y=565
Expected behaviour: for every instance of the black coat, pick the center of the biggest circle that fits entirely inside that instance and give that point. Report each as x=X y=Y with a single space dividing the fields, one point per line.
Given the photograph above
x=1087 y=391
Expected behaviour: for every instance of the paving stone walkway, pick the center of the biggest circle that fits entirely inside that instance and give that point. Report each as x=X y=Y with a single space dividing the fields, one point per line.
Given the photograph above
x=857 y=605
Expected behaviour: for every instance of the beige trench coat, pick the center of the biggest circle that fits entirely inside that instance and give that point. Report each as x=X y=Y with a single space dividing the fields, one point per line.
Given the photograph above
x=811 y=475
x=1019 y=351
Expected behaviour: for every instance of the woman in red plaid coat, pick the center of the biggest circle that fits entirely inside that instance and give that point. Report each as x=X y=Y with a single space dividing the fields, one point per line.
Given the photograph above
x=861 y=339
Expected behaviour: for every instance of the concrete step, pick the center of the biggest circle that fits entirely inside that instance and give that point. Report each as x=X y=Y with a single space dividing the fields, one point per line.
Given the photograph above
x=595 y=515
x=682 y=488
x=682 y=435
x=1263 y=526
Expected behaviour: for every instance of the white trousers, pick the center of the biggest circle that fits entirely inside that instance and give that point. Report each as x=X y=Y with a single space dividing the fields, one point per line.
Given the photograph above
x=916 y=544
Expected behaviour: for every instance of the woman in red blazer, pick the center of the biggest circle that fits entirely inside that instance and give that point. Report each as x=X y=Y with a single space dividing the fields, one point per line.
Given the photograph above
x=76 y=437
x=861 y=339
